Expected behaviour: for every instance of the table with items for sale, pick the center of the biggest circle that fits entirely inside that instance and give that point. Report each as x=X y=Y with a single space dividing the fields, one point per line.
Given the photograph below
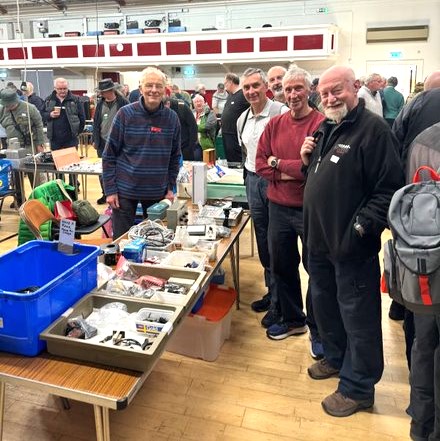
x=74 y=370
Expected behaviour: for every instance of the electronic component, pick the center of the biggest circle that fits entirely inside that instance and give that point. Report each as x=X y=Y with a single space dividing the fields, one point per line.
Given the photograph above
x=177 y=214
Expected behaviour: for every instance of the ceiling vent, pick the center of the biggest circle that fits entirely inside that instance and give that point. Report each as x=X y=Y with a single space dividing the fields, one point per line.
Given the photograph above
x=398 y=33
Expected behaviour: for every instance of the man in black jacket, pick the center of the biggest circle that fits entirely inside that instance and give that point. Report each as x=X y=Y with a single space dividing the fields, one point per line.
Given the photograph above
x=188 y=124
x=353 y=169
x=106 y=109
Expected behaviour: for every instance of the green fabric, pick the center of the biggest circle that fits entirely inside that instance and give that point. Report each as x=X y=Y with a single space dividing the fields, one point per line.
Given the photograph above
x=48 y=193
x=205 y=140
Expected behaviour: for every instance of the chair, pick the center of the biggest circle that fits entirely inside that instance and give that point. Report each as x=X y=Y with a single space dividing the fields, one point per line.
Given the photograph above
x=34 y=214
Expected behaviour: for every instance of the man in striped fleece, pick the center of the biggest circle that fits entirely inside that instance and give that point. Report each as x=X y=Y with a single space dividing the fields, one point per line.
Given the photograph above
x=141 y=158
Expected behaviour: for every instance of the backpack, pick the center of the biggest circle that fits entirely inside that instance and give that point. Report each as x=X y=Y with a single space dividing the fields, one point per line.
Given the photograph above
x=86 y=214
x=412 y=256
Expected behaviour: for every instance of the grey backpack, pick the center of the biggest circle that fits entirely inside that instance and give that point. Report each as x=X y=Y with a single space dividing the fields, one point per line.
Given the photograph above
x=412 y=257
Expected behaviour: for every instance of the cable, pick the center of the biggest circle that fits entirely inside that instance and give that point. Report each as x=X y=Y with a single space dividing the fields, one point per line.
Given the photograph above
x=155 y=234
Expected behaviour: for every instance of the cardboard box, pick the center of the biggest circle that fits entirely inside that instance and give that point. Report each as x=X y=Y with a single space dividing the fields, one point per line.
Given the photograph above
x=106 y=352
x=60 y=280
x=202 y=335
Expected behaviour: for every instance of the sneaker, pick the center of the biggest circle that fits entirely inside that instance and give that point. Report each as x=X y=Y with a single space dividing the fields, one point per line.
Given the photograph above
x=397 y=311
x=316 y=349
x=338 y=405
x=261 y=305
x=321 y=370
x=270 y=318
x=102 y=200
x=280 y=331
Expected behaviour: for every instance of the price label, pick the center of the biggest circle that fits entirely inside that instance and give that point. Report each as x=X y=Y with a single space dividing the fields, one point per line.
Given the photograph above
x=67 y=234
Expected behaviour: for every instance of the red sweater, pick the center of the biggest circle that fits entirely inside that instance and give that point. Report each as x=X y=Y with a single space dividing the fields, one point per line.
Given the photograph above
x=283 y=138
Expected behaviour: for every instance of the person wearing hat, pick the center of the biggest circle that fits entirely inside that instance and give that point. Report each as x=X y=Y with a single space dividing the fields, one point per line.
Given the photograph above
x=16 y=117
x=219 y=100
x=109 y=103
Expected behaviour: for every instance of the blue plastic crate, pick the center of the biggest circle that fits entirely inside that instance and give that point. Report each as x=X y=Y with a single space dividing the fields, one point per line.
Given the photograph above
x=61 y=278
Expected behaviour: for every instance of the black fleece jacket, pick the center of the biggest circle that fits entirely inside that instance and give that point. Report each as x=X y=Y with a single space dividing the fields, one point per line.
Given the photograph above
x=353 y=173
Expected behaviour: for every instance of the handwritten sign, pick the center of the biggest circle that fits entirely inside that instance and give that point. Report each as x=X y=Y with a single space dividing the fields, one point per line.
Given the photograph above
x=67 y=235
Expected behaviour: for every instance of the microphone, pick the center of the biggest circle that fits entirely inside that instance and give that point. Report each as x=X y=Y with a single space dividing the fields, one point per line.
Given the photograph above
x=23 y=86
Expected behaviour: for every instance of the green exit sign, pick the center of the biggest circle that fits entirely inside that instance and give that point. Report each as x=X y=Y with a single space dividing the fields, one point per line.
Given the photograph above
x=322 y=10
x=395 y=55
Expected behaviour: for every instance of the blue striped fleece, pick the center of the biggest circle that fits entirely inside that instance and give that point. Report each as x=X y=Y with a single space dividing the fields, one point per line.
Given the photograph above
x=141 y=158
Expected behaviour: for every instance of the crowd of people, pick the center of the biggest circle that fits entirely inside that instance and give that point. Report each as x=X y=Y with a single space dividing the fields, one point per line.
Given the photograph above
x=322 y=159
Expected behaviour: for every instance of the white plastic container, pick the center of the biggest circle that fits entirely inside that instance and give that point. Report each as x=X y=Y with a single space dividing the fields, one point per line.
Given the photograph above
x=181 y=259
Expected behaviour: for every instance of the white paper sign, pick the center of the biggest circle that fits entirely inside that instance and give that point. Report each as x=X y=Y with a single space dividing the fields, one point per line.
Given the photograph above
x=67 y=233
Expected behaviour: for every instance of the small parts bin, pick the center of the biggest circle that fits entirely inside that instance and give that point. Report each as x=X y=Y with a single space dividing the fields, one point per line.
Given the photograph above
x=53 y=281
x=202 y=335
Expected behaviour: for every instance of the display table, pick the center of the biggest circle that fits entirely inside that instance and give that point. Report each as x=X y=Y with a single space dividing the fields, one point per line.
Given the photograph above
x=103 y=387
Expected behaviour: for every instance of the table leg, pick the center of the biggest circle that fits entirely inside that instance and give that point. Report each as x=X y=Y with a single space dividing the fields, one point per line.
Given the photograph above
x=233 y=257
x=102 y=423
x=237 y=269
x=2 y=407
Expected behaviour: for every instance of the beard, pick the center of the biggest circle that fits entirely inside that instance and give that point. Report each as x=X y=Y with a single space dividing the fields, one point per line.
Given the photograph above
x=336 y=115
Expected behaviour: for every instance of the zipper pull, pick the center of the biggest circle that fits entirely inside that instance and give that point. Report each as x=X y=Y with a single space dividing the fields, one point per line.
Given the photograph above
x=317 y=164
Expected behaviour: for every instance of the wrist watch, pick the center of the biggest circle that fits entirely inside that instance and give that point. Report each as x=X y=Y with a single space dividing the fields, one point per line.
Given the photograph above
x=274 y=163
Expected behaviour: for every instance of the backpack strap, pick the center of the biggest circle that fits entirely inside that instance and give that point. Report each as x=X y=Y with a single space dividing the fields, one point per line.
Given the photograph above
x=425 y=292
x=425 y=173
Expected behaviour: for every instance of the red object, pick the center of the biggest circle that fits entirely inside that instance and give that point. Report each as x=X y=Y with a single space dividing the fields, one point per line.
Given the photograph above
x=64 y=210
x=425 y=292
x=217 y=302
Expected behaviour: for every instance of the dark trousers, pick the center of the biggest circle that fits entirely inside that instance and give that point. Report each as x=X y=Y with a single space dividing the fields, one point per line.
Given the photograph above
x=232 y=147
x=123 y=217
x=256 y=193
x=424 y=405
x=285 y=227
x=347 y=306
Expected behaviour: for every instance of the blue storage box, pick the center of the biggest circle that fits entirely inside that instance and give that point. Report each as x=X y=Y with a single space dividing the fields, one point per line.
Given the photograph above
x=94 y=33
x=177 y=29
x=135 y=31
x=57 y=280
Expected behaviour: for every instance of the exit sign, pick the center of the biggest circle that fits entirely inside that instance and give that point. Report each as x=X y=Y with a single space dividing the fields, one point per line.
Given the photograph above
x=395 y=55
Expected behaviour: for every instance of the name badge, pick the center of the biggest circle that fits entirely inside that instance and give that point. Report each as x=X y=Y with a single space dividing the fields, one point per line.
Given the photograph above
x=335 y=159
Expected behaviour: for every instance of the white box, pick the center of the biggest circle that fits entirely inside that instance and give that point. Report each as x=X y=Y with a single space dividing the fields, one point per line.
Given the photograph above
x=199 y=184
x=200 y=338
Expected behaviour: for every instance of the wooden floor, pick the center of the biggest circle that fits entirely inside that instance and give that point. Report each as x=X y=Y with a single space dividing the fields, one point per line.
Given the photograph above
x=257 y=390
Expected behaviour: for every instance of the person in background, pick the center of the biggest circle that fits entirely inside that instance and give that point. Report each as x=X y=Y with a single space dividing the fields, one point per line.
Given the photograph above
x=134 y=95
x=188 y=125
x=370 y=93
x=126 y=90
x=108 y=105
x=179 y=94
x=200 y=89
x=33 y=98
x=352 y=171
x=3 y=138
x=23 y=121
x=419 y=87
x=314 y=97
x=141 y=159
x=235 y=105
x=206 y=126
x=278 y=160
x=219 y=100
x=250 y=126
x=393 y=101
x=275 y=77
x=64 y=114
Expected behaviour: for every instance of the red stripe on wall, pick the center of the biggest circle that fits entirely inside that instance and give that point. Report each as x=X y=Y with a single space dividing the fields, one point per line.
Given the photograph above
x=308 y=42
x=237 y=45
x=127 y=50
x=39 y=52
x=2 y=55
x=16 y=53
x=146 y=49
x=268 y=44
x=209 y=47
x=91 y=50
x=178 y=47
x=67 y=51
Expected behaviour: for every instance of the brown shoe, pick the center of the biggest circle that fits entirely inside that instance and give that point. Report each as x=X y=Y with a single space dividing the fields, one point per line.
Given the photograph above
x=338 y=405
x=321 y=370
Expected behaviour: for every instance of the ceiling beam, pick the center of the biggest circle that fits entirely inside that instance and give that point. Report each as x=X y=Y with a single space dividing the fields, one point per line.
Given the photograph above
x=59 y=4
x=120 y=2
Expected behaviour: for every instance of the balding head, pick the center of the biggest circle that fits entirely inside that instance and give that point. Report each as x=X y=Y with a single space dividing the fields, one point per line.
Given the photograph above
x=432 y=81
x=338 y=88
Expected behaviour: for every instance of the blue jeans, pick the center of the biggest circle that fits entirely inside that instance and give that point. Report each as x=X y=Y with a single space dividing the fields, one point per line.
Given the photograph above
x=424 y=405
x=256 y=189
x=285 y=227
x=123 y=217
x=347 y=305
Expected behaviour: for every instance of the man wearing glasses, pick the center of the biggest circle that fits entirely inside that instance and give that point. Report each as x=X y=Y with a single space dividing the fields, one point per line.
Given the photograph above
x=141 y=158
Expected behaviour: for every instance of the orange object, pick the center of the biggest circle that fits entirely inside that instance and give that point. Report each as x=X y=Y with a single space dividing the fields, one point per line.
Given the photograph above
x=217 y=302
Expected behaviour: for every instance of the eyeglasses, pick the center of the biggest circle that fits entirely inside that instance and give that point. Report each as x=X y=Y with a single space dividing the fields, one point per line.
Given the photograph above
x=151 y=86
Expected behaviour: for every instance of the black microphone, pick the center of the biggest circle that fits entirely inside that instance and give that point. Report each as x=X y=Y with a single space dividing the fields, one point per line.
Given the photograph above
x=23 y=86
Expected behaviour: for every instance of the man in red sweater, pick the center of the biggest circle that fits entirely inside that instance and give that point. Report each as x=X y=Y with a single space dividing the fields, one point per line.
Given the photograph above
x=278 y=160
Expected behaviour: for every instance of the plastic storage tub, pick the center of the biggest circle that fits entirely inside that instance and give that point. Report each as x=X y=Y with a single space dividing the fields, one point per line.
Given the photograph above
x=181 y=259
x=202 y=335
x=58 y=281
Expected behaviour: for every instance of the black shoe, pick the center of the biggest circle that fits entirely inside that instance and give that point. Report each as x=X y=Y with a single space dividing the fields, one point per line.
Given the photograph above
x=397 y=311
x=270 y=318
x=102 y=200
x=261 y=305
